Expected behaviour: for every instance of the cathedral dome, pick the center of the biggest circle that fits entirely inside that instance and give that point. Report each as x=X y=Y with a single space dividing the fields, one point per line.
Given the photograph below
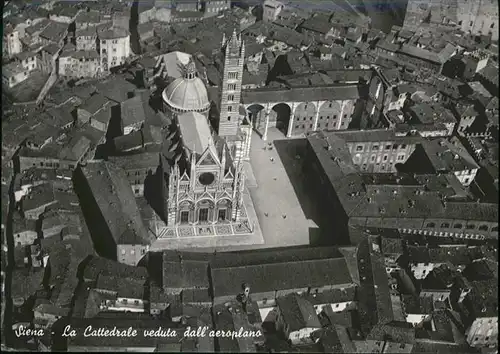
x=187 y=93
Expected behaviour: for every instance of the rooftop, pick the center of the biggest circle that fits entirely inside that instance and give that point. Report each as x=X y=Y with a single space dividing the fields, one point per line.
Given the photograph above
x=114 y=197
x=135 y=110
x=298 y=313
x=275 y=276
x=145 y=160
x=195 y=131
x=54 y=31
x=113 y=33
x=301 y=94
x=449 y=155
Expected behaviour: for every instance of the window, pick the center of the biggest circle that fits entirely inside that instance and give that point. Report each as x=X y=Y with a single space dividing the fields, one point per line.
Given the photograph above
x=375 y=148
x=460 y=23
x=222 y=214
x=124 y=301
x=431 y=224
x=385 y=157
x=492 y=25
x=310 y=126
x=230 y=108
x=230 y=97
x=143 y=251
x=123 y=252
x=373 y=158
x=403 y=146
x=136 y=302
x=445 y=225
x=494 y=229
x=471 y=23
x=388 y=147
x=483 y=228
x=395 y=147
x=470 y=227
x=359 y=148
x=232 y=75
x=466 y=181
x=231 y=87
x=228 y=119
x=401 y=157
x=457 y=226
x=335 y=116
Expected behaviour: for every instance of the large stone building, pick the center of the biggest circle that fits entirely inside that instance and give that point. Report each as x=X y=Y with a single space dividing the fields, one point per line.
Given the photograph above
x=114 y=47
x=299 y=109
x=204 y=181
x=474 y=17
x=423 y=203
x=116 y=226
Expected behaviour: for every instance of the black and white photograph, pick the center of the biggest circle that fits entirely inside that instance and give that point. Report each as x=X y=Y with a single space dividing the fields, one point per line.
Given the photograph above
x=255 y=176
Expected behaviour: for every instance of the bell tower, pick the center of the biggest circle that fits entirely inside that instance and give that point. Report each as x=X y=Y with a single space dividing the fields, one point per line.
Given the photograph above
x=234 y=57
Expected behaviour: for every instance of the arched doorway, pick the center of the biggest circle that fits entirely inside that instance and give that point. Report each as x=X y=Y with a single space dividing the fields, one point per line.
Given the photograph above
x=303 y=118
x=280 y=117
x=186 y=213
x=256 y=114
x=223 y=210
x=205 y=211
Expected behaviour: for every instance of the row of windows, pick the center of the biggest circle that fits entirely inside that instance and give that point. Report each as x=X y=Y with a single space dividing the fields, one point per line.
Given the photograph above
x=382 y=167
x=376 y=147
x=233 y=75
x=471 y=23
x=48 y=164
x=132 y=251
x=332 y=124
x=385 y=158
x=321 y=117
x=136 y=302
x=446 y=225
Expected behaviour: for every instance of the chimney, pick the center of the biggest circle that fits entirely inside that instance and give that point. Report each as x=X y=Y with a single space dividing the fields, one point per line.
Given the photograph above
x=245 y=296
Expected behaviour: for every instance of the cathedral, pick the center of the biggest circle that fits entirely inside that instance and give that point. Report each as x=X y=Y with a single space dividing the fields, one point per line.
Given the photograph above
x=202 y=166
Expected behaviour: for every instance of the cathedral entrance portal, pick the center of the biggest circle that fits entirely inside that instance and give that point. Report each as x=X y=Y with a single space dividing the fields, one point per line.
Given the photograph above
x=203 y=215
x=222 y=214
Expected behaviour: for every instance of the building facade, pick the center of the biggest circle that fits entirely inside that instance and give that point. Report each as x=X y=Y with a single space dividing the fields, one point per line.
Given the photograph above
x=271 y=10
x=204 y=181
x=114 y=47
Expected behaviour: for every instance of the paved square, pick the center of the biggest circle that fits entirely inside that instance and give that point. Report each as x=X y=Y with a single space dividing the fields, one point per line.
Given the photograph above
x=279 y=211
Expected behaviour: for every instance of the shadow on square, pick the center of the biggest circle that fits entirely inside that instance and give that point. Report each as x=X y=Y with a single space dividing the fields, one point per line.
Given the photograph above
x=292 y=154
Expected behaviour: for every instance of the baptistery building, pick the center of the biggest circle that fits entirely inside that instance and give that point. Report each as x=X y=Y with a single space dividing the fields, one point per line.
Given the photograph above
x=203 y=180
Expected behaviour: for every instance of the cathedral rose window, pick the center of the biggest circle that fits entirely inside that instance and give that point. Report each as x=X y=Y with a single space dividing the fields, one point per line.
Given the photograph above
x=206 y=178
